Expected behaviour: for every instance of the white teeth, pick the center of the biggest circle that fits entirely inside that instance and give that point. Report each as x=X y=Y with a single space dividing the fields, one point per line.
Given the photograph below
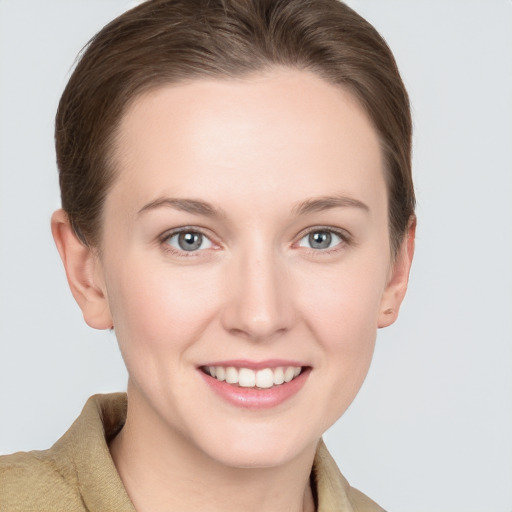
x=278 y=376
x=231 y=375
x=288 y=373
x=265 y=378
x=247 y=378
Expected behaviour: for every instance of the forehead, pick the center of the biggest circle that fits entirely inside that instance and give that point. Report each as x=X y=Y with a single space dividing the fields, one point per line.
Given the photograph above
x=285 y=132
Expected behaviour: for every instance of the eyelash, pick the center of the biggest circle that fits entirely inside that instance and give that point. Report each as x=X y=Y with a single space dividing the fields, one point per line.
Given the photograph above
x=345 y=238
x=167 y=236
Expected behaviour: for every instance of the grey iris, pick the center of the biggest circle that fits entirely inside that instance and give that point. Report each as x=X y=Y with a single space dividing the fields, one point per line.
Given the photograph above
x=190 y=241
x=320 y=239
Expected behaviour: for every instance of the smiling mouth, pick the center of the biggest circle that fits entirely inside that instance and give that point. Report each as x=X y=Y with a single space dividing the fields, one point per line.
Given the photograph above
x=247 y=378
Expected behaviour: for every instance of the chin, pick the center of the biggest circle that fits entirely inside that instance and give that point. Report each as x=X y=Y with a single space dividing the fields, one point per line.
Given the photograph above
x=261 y=448
x=254 y=458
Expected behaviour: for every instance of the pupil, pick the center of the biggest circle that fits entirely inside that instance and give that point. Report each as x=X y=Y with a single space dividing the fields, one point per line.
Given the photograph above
x=190 y=241
x=320 y=239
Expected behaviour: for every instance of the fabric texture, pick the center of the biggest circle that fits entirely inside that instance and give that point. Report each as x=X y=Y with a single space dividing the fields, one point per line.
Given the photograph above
x=78 y=474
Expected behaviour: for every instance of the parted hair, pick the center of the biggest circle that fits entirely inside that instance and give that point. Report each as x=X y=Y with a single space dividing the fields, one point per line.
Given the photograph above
x=163 y=42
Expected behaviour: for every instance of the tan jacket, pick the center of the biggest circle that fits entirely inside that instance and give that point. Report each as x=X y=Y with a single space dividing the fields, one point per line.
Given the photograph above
x=77 y=473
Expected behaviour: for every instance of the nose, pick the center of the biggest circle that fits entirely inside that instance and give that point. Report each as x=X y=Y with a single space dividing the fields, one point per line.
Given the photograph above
x=259 y=306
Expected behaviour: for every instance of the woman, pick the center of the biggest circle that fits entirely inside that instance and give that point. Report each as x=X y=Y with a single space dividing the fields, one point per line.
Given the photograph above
x=238 y=207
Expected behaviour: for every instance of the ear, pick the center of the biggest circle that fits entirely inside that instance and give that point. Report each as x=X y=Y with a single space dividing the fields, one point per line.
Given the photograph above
x=394 y=292
x=84 y=273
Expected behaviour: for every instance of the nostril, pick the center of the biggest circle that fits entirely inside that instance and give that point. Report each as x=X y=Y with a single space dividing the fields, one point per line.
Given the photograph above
x=258 y=306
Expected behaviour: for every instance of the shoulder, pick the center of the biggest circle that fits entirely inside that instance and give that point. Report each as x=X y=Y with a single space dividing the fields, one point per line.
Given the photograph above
x=77 y=473
x=362 y=503
x=32 y=481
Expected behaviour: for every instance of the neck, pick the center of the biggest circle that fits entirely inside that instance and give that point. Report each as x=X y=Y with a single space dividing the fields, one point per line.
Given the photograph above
x=162 y=471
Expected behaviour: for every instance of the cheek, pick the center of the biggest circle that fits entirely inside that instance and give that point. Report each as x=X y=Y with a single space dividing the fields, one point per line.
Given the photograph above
x=343 y=303
x=343 y=315
x=162 y=308
x=347 y=332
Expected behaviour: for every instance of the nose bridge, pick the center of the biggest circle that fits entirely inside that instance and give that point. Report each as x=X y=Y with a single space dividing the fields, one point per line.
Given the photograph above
x=259 y=306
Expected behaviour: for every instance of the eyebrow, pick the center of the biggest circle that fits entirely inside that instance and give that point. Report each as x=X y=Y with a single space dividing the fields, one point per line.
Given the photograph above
x=187 y=205
x=327 y=202
x=198 y=207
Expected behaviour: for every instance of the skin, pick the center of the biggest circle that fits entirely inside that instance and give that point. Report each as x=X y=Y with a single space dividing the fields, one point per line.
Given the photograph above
x=256 y=150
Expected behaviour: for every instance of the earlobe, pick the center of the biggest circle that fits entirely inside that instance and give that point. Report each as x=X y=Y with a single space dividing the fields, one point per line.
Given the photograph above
x=83 y=271
x=399 y=278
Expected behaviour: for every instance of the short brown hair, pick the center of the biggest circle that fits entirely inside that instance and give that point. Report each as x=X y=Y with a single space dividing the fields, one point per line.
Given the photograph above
x=168 y=41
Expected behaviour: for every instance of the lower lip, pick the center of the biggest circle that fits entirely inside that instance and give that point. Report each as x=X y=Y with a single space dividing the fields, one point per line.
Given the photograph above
x=256 y=398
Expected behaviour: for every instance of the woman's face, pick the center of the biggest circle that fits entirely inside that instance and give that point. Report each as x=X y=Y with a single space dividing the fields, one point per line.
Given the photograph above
x=246 y=234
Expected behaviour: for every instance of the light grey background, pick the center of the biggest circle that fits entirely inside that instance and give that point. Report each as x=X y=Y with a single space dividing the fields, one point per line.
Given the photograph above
x=432 y=428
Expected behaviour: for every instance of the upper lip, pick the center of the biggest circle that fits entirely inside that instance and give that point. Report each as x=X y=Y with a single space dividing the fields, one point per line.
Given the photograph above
x=255 y=365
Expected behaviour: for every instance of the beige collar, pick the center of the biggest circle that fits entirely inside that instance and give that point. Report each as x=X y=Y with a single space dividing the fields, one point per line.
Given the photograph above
x=83 y=450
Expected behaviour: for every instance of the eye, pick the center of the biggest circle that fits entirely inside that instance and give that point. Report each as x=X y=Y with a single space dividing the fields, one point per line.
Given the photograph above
x=320 y=239
x=188 y=241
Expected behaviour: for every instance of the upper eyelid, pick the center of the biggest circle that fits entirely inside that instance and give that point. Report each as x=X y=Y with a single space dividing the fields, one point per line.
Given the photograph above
x=166 y=235
x=185 y=229
x=180 y=253
x=342 y=233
